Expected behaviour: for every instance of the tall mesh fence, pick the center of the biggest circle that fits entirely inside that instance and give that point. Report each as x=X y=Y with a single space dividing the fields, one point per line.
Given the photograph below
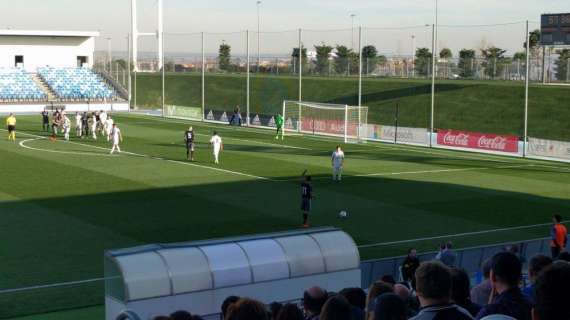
x=147 y=85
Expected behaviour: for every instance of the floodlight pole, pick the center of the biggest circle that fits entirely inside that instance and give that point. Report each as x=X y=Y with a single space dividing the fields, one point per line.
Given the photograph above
x=258 y=35
x=352 y=15
x=247 y=78
x=526 y=84
x=160 y=34
x=359 y=67
x=433 y=71
x=203 y=77
x=300 y=66
x=109 y=57
x=129 y=68
x=413 y=56
x=163 y=74
x=134 y=35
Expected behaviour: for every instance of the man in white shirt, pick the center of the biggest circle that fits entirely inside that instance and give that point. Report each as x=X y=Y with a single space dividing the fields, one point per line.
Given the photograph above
x=66 y=127
x=94 y=125
x=109 y=127
x=78 y=124
x=103 y=121
x=217 y=146
x=117 y=138
x=337 y=161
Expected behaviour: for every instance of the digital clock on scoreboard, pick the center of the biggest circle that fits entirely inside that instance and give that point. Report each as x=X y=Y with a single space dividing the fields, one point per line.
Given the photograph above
x=555 y=29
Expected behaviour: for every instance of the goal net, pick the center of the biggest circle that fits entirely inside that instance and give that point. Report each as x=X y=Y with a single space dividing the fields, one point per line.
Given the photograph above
x=336 y=120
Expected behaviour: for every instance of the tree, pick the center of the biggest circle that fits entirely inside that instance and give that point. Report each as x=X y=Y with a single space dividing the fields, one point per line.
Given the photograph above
x=534 y=39
x=494 y=61
x=169 y=66
x=323 y=56
x=224 y=56
x=519 y=56
x=423 y=61
x=295 y=60
x=562 y=65
x=445 y=53
x=370 y=57
x=466 y=63
x=346 y=60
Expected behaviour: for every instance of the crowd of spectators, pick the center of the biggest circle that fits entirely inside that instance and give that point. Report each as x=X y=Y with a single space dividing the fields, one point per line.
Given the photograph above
x=434 y=290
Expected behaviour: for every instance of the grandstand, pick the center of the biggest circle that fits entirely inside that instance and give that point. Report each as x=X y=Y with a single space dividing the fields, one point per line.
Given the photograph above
x=16 y=85
x=76 y=84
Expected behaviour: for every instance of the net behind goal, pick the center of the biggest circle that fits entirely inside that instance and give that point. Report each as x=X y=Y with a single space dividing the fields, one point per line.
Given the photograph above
x=336 y=120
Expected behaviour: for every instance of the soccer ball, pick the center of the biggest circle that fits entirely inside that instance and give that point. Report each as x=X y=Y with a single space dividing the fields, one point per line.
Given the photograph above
x=343 y=214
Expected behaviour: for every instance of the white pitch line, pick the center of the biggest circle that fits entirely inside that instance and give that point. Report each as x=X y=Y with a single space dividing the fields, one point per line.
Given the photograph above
x=157 y=158
x=442 y=170
x=23 y=145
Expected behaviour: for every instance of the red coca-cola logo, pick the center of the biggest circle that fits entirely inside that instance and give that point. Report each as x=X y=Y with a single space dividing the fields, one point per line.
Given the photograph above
x=460 y=139
x=496 y=143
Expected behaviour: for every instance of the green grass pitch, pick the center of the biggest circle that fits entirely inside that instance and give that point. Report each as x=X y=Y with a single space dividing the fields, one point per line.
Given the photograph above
x=63 y=203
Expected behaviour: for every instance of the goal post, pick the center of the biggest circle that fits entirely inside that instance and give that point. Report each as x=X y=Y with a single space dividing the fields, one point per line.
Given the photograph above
x=335 y=120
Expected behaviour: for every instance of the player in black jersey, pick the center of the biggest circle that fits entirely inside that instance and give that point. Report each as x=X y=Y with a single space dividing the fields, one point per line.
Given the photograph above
x=45 y=120
x=189 y=139
x=306 y=197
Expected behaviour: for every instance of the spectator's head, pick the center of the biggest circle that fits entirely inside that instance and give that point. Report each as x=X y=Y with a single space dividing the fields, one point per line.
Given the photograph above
x=181 y=315
x=336 y=308
x=449 y=245
x=289 y=312
x=215 y=133
x=162 y=318
x=375 y=290
x=390 y=307
x=486 y=268
x=460 y=285
x=506 y=271
x=433 y=283
x=564 y=256
x=227 y=303
x=537 y=264
x=402 y=291
x=247 y=309
x=338 y=148
x=307 y=178
x=412 y=252
x=557 y=218
x=274 y=308
x=355 y=296
x=313 y=300
x=551 y=293
x=514 y=249
x=388 y=278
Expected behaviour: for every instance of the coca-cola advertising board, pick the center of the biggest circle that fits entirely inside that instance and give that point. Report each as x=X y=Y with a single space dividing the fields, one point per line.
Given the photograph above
x=477 y=140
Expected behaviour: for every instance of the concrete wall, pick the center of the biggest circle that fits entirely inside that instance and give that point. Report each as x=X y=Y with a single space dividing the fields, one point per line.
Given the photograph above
x=45 y=51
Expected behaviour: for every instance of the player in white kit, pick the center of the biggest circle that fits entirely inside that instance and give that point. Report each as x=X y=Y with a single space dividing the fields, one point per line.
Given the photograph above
x=337 y=161
x=217 y=146
x=109 y=127
x=117 y=138
x=103 y=122
x=66 y=127
x=94 y=125
x=78 y=124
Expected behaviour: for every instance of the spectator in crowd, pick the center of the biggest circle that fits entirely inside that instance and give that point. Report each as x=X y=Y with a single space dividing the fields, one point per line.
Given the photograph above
x=402 y=291
x=247 y=309
x=551 y=293
x=460 y=285
x=313 y=300
x=481 y=292
x=357 y=299
x=289 y=312
x=196 y=317
x=433 y=286
x=390 y=307
x=564 y=256
x=410 y=265
x=227 y=303
x=162 y=318
x=515 y=249
x=181 y=315
x=388 y=278
x=506 y=296
x=376 y=289
x=336 y=308
x=274 y=309
x=535 y=266
x=559 y=236
x=446 y=255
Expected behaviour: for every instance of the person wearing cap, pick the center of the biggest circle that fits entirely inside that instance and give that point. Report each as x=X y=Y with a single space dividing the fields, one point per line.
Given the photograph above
x=189 y=139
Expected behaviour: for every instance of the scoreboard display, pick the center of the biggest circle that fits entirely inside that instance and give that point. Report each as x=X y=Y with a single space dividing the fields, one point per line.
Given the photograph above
x=555 y=29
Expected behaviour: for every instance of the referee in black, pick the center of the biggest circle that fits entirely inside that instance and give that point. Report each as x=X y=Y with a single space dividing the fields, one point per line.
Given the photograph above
x=189 y=139
x=45 y=120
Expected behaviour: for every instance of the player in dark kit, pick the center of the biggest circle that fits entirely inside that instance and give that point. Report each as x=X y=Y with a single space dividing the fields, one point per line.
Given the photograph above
x=189 y=139
x=306 y=197
x=84 y=124
x=45 y=120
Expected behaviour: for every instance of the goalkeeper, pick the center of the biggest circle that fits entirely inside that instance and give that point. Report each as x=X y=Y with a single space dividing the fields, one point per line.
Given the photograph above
x=279 y=125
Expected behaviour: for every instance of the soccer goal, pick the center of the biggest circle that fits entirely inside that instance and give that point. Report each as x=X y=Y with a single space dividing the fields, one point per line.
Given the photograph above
x=336 y=120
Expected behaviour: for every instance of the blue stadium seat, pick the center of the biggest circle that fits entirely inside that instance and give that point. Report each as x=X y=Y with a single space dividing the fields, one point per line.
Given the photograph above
x=76 y=83
x=18 y=86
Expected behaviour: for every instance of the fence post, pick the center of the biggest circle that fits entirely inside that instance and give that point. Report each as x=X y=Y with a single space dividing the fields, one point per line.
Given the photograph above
x=525 y=137
x=163 y=71
x=300 y=66
x=129 y=69
x=433 y=71
x=359 y=70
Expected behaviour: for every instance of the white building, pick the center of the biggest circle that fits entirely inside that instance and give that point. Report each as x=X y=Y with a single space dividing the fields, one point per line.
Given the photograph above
x=32 y=49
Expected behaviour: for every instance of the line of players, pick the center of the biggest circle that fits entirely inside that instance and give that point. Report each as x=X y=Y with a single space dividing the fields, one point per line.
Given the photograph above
x=85 y=125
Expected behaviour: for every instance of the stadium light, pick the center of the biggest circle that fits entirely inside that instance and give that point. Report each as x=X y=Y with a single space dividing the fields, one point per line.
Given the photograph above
x=413 y=55
x=258 y=34
x=109 y=57
x=352 y=16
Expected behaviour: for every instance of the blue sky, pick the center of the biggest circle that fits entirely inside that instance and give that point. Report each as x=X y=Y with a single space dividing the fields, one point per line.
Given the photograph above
x=112 y=18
